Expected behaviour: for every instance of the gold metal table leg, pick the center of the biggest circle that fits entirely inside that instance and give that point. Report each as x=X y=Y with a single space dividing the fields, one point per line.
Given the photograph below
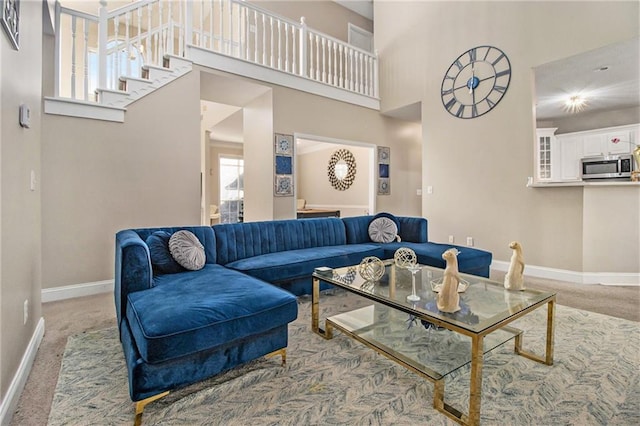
x=315 y=311
x=548 y=356
x=475 y=387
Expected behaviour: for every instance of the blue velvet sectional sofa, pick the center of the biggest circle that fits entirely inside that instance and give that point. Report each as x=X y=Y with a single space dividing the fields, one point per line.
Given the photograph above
x=181 y=327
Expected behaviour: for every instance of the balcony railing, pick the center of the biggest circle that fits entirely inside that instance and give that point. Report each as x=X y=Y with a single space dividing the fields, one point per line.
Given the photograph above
x=95 y=51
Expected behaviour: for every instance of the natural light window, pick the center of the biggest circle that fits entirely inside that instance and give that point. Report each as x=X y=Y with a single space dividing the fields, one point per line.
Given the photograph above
x=231 y=189
x=119 y=63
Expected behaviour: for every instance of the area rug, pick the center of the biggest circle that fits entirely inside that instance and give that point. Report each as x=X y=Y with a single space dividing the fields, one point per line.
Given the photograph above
x=595 y=380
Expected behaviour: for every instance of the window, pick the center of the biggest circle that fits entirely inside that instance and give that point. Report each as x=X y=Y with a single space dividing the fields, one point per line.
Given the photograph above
x=231 y=189
x=119 y=63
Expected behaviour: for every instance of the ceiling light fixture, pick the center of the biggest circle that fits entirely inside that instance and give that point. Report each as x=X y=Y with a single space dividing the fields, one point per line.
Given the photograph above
x=575 y=103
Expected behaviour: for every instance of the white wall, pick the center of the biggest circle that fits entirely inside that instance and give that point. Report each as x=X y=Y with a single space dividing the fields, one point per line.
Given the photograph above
x=478 y=168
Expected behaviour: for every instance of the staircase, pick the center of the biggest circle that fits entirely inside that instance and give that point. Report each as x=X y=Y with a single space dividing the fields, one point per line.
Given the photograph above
x=106 y=62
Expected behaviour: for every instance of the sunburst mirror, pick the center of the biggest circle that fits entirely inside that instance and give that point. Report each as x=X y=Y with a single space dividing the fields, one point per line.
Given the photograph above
x=342 y=169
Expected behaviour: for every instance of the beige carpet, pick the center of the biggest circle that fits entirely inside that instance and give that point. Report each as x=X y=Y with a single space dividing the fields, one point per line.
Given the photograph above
x=70 y=317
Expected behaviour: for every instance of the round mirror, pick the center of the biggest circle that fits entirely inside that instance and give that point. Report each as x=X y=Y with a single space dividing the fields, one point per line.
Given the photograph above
x=342 y=169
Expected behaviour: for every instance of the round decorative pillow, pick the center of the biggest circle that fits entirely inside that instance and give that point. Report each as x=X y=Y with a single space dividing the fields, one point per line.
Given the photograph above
x=187 y=250
x=161 y=259
x=389 y=216
x=383 y=230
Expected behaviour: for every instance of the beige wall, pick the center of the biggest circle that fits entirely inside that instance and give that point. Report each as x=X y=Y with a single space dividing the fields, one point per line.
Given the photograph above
x=258 y=159
x=611 y=230
x=478 y=168
x=322 y=15
x=314 y=185
x=303 y=113
x=20 y=240
x=100 y=177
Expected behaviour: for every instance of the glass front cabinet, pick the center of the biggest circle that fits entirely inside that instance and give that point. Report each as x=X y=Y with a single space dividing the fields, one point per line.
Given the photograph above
x=546 y=153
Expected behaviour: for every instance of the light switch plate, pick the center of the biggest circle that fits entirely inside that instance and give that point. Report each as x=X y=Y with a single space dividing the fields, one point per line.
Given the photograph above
x=24 y=116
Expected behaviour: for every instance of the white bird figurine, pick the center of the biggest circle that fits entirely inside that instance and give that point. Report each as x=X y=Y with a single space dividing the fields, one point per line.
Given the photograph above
x=448 y=298
x=514 y=280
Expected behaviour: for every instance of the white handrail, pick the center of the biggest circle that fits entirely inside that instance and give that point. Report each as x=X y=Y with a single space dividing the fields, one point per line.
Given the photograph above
x=116 y=43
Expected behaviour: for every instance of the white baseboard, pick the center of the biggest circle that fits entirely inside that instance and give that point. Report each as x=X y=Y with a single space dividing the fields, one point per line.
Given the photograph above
x=76 y=290
x=10 y=402
x=604 y=278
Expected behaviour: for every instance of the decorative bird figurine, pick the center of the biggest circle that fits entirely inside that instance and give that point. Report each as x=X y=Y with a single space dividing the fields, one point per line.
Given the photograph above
x=514 y=280
x=448 y=298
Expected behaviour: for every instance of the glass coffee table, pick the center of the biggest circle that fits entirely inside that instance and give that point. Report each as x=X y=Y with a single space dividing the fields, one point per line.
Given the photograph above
x=428 y=342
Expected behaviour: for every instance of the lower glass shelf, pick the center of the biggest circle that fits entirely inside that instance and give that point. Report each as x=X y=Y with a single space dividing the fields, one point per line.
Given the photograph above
x=435 y=352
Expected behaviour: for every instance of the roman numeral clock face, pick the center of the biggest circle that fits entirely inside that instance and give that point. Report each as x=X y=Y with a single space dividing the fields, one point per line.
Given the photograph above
x=475 y=82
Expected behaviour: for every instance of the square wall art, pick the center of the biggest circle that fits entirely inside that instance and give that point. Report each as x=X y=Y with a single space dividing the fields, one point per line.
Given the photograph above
x=384 y=177
x=283 y=152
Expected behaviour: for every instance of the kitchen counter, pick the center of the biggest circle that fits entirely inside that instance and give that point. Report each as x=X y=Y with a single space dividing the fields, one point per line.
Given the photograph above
x=627 y=183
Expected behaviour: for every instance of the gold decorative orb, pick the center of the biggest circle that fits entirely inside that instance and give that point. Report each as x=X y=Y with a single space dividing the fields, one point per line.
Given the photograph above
x=404 y=257
x=371 y=268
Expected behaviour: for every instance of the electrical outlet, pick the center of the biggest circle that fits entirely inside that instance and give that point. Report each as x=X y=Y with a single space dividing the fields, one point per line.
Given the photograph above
x=451 y=239
x=429 y=189
x=26 y=312
x=470 y=241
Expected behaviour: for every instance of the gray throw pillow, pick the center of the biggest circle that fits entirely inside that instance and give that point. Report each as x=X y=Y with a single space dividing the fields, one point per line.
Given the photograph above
x=187 y=250
x=383 y=230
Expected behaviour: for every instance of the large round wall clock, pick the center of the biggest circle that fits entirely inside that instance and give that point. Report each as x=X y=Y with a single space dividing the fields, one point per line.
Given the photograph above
x=475 y=82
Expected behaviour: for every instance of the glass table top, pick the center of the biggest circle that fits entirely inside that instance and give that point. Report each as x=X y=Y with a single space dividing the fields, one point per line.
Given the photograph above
x=484 y=303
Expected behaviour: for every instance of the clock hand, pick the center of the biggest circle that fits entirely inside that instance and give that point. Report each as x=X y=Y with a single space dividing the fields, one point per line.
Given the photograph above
x=473 y=75
x=486 y=78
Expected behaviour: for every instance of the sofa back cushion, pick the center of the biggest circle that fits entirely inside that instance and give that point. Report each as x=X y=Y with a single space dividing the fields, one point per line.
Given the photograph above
x=204 y=233
x=237 y=241
x=411 y=229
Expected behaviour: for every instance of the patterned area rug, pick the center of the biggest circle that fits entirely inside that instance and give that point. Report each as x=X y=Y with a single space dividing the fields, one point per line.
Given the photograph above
x=595 y=380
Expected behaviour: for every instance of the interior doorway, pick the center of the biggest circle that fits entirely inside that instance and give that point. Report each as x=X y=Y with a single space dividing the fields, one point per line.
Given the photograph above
x=313 y=187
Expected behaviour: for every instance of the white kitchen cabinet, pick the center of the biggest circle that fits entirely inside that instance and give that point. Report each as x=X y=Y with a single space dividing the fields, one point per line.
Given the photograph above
x=623 y=146
x=593 y=145
x=600 y=143
x=570 y=155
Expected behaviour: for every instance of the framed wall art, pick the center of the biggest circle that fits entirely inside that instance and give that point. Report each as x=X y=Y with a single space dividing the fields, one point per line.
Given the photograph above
x=11 y=21
x=283 y=165
x=384 y=177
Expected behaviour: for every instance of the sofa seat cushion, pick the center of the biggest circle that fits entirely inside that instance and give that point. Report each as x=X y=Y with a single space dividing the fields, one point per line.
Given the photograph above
x=469 y=259
x=197 y=310
x=285 y=266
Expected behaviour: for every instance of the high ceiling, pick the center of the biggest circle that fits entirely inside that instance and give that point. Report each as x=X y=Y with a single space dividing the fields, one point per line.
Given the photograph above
x=608 y=77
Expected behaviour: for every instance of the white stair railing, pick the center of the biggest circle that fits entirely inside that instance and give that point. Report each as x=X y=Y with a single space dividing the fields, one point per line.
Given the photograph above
x=95 y=51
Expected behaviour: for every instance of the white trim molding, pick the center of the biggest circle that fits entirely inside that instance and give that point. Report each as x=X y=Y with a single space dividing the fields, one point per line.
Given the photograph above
x=77 y=290
x=603 y=278
x=92 y=110
x=10 y=402
x=244 y=68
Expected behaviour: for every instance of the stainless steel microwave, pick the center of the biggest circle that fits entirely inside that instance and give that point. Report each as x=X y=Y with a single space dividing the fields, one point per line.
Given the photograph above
x=611 y=167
